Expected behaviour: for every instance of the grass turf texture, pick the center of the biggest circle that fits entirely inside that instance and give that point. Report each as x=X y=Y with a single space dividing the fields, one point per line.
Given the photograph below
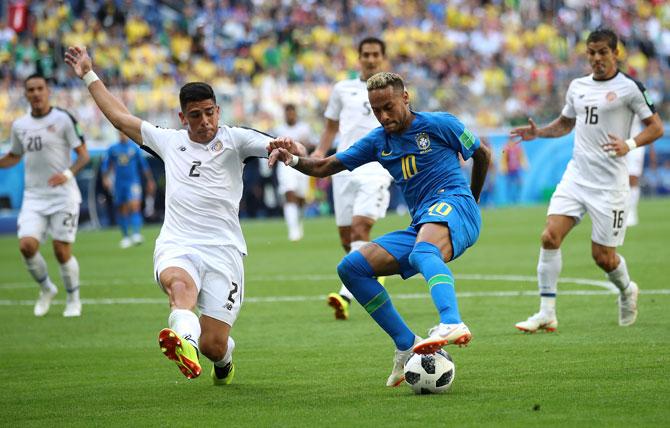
x=297 y=366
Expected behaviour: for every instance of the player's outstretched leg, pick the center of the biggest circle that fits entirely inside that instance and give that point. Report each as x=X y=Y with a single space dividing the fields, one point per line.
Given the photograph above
x=427 y=259
x=223 y=371
x=179 y=342
x=399 y=359
x=549 y=267
x=358 y=276
x=340 y=303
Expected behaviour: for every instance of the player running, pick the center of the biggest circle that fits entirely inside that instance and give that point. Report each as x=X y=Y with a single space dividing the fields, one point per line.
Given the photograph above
x=46 y=137
x=420 y=150
x=126 y=162
x=198 y=254
x=361 y=196
x=293 y=185
x=600 y=107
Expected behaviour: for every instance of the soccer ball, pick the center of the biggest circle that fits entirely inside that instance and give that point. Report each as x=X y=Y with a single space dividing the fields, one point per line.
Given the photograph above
x=431 y=373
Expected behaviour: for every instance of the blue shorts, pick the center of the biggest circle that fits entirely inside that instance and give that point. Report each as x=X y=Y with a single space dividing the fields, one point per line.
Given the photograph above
x=126 y=191
x=461 y=214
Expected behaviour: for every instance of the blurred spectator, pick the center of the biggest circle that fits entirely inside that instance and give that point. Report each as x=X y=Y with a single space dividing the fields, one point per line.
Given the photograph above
x=512 y=164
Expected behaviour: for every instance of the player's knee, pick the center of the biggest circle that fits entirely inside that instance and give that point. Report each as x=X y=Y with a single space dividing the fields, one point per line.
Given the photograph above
x=214 y=348
x=28 y=249
x=62 y=254
x=550 y=240
x=606 y=261
x=354 y=265
x=421 y=252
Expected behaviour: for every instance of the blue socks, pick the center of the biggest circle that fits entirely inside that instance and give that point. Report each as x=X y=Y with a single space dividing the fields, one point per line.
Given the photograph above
x=357 y=275
x=136 y=222
x=427 y=259
x=123 y=224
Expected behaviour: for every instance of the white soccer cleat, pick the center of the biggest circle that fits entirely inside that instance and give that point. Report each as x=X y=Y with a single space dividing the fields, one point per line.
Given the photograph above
x=628 y=306
x=72 y=308
x=295 y=235
x=43 y=303
x=442 y=335
x=397 y=375
x=137 y=239
x=126 y=242
x=538 y=321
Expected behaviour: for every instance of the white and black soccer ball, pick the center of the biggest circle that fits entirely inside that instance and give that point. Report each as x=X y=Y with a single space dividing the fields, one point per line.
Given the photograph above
x=431 y=373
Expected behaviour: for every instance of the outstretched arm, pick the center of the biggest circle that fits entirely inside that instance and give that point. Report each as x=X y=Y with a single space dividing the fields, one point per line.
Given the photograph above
x=310 y=166
x=559 y=127
x=480 y=166
x=113 y=109
x=10 y=159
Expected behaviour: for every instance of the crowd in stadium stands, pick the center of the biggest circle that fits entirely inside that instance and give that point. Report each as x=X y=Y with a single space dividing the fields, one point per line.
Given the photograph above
x=492 y=63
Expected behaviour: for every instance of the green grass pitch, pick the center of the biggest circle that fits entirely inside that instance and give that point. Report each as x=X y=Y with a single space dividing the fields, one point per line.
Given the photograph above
x=297 y=366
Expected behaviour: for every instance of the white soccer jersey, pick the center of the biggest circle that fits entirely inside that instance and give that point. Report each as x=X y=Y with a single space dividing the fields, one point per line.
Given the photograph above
x=298 y=132
x=204 y=183
x=349 y=104
x=601 y=108
x=46 y=144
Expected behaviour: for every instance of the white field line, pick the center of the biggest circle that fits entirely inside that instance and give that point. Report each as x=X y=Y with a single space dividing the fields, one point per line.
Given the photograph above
x=276 y=299
x=322 y=277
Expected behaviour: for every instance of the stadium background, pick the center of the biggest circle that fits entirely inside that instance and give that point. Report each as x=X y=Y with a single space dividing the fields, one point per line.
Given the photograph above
x=491 y=63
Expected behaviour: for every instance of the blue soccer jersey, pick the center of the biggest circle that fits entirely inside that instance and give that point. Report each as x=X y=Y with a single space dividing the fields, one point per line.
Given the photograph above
x=127 y=161
x=423 y=160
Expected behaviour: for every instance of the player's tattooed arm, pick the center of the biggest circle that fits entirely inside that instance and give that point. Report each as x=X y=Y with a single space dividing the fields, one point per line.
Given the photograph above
x=557 y=128
x=481 y=158
x=315 y=167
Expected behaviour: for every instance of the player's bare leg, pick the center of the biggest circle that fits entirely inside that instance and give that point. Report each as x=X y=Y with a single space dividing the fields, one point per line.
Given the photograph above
x=217 y=345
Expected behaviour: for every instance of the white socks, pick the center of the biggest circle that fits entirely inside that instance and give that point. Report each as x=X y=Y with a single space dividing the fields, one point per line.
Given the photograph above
x=69 y=272
x=292 y=217
x=620 y=277
x=633 y=201
x=186 y=324
x=37 y=267
x=355 y=246
x=229 y=354
x=548 y=270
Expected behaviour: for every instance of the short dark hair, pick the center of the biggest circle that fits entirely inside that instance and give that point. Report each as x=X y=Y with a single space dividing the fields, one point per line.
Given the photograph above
x=35 y=76
x=289 y=106
x=372 y=40
x=195 y=91
x=603 y=34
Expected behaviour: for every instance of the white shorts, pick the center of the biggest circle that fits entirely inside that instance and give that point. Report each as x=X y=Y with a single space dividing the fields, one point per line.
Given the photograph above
x=37 y=218
x=607 y=209
x=364 y=195
x=218 y=273
x=635 y=161
x=291 y=180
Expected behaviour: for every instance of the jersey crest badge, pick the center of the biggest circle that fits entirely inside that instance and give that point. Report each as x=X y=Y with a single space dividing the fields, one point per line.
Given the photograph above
x=216 y=147
x=422 y=141
x=611 y=96
x=51 y=128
